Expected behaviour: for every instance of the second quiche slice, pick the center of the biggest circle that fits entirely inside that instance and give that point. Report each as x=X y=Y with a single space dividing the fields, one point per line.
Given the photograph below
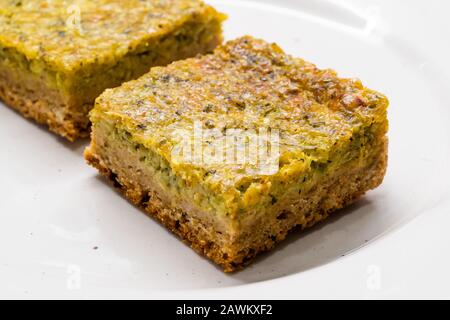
x=57 y=56
x=270 y=143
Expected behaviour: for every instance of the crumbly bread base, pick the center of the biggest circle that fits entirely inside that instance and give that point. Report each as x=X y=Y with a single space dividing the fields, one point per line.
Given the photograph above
x=46 y=107
x=234 y=253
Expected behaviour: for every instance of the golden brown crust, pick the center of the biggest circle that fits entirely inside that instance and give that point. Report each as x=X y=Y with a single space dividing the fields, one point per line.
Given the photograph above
x=41 y=110
x=337 y=192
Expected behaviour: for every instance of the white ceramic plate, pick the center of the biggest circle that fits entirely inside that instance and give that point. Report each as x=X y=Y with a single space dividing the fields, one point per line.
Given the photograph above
x=64 y=233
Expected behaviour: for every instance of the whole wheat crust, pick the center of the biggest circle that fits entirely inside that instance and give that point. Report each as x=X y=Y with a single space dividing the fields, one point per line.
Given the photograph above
x=42 y=111
x=337 y=193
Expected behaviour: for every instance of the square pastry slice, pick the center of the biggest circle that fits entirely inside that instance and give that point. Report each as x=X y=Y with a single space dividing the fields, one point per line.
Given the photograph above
x=233 y=150
x=57 y=56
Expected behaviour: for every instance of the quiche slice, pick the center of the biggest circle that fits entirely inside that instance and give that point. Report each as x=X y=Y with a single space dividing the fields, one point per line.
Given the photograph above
x=233 y=150
x=57 y=56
